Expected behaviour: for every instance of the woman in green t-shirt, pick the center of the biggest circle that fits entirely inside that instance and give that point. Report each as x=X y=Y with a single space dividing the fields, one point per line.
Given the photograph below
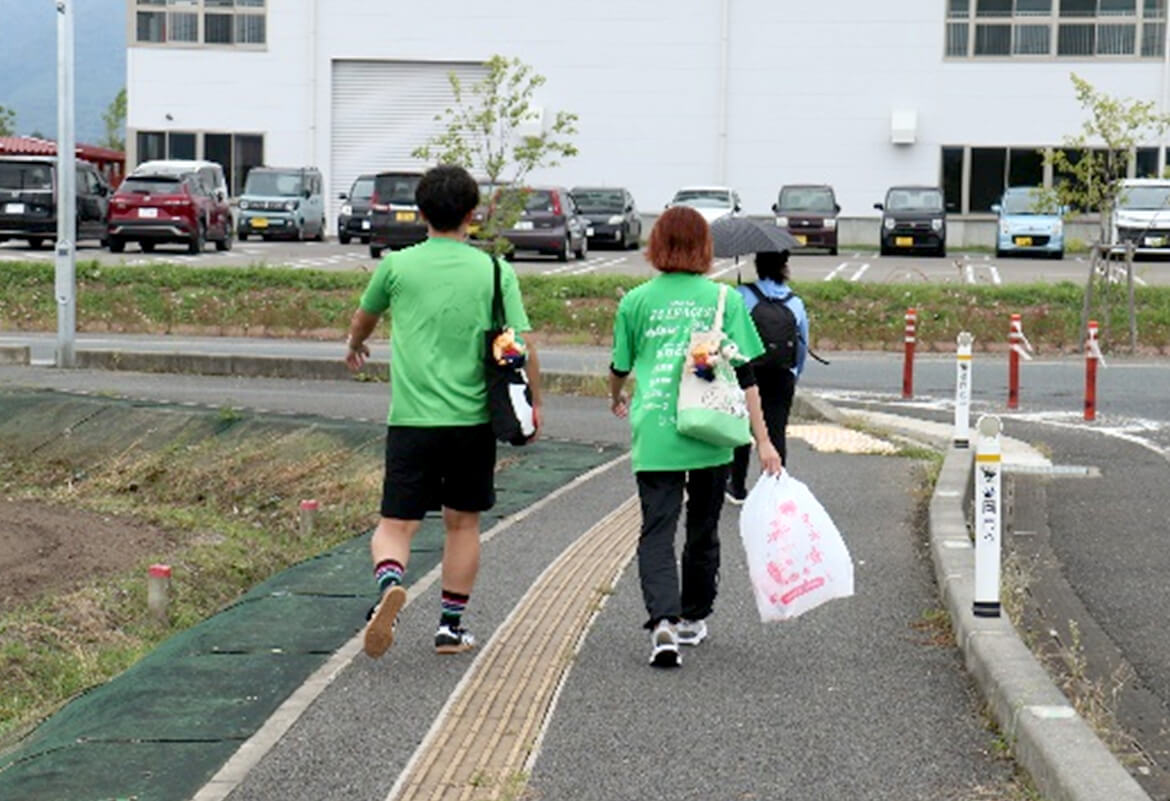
x=652 y=332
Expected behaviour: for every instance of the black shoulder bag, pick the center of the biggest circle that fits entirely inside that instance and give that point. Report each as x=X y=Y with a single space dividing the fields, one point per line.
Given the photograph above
x=508 y=395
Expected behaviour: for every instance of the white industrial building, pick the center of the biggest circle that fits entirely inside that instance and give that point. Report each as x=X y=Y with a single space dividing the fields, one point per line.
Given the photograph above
x=860 y=94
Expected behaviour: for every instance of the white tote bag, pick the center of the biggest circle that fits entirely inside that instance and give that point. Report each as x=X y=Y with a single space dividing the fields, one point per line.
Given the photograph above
x=796 y=557
x=713 y=409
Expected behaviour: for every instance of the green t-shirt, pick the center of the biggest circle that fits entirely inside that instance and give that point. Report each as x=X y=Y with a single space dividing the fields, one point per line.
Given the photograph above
x=650 y=337
x=439 y=294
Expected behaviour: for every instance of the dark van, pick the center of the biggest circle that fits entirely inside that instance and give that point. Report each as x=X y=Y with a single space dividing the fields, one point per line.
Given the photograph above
x=809 y=213
x=913 y=219
x=394 y=218
x=28 y=200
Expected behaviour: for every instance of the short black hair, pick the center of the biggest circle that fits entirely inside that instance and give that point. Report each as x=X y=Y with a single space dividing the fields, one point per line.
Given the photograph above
x=773 y=265
x=446 y=195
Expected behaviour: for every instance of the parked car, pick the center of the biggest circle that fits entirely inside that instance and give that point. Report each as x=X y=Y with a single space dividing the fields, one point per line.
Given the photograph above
x=1023 y=227
x=809 y=213
x=549 y=224
x=354 y=219
x=158 y=209
x=1142 y=216
x=28 y=200
x=612 y=214
x=395 y=221
x=913 y=219
x=209 y=172
x=712 y=202
x=282 y=201
x=487 y=193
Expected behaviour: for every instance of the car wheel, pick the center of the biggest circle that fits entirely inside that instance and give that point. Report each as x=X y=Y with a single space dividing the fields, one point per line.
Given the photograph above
x=343 y=238
x=147 y=247
x=566 y=248
x=583 y=251
x=226 y=243
x=884 y=250
x=365 y=240
x=941 y=252
x=242 y=236
x=36 y=243
x=117 y=244
x=833 y=250
x=1058 y=255
x=195 y=246
x=320 y=237
x=375 y=252
x=999 y=253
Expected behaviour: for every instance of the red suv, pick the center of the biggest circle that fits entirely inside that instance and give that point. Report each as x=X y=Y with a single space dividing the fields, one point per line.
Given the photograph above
x=153 y=209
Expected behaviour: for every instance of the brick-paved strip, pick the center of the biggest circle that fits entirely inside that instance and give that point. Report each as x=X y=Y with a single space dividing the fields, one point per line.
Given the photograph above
x=480 y=746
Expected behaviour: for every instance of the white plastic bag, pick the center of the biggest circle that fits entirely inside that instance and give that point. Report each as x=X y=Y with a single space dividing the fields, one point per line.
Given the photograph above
x=796 y=557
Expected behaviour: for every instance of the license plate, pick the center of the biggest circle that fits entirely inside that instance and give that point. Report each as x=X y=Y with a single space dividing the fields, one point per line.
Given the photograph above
x=14 y=208
x=473 y=229
x=801 y=239
x=404 y=216
x=148 y=214
x=1024 y=241
x=365 y=225
x=1155 y=241
x=904 y=241
x=259 y=222
x=524 y=225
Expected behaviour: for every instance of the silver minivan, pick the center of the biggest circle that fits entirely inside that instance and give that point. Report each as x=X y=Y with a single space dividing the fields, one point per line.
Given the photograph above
x=284 y=202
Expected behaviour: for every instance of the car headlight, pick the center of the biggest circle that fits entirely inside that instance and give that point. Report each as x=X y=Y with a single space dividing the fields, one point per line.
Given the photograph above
x=615 y=219
x=888 y=222
x=1004 y=229
x=830 y=223
x=244 y=205
x=291 y=205
x=1058 y=228
x=782 y=222
x=936 y=224
x=347 y=210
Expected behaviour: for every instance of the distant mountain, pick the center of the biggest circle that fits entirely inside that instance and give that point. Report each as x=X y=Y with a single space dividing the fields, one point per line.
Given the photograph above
x=28 y=63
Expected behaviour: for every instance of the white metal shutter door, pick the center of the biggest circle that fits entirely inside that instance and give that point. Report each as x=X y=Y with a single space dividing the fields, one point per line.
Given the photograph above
x=383 y=110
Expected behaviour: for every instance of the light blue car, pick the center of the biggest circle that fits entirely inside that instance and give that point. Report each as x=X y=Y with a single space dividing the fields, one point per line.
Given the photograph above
x=1022 y=229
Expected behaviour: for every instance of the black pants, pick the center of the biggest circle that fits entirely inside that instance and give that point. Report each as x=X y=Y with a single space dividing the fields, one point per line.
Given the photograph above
x=661 y=494
x=776 y=389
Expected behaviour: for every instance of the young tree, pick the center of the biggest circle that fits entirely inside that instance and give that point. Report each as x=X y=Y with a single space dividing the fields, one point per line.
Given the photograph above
x=1097 y=159
x=114 y=119
x=487 y=132
x=7 y=121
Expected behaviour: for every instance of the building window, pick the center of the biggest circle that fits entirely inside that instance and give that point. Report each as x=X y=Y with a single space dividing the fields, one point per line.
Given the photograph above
x=1146 y=163
x=1025 y=167
x=151 y=146
x=952 y=179
x=1064 y=28
x=189 y=23
x=988 y=174
x=237 y=153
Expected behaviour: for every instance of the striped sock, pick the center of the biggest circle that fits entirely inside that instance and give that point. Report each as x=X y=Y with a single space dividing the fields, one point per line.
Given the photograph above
x=454 y=604
x=388 y=573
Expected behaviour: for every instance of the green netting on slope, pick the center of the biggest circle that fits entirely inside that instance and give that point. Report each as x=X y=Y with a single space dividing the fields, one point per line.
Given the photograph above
x=161 y=729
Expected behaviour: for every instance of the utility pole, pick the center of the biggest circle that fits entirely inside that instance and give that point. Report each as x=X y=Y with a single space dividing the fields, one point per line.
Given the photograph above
x=66 y=283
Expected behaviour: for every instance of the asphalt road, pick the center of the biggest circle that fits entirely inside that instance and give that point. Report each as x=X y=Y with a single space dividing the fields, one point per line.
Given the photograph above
x=854 y=266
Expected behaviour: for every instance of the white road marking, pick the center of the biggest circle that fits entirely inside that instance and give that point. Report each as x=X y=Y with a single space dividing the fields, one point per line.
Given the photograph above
x=836 y=270
x=970 y=270
x=860 y=272
x=592 y=265
x=995 y=279
x=558 y=270
x=730 y=265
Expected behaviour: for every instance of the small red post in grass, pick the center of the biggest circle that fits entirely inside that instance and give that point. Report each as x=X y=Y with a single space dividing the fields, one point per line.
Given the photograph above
x=158 y=590
x=911 y=337
x=1092 y=356
x=1014 y=362
x=309 y=509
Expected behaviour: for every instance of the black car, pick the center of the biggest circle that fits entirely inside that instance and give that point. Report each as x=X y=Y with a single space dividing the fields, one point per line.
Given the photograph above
x=612 y=215
x=28 y=200
x=913 y=220
x=394 y=218
x=354 y=220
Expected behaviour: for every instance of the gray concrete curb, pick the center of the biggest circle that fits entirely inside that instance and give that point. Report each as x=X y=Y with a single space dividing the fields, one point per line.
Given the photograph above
x=18 y=355
x=1062 y=754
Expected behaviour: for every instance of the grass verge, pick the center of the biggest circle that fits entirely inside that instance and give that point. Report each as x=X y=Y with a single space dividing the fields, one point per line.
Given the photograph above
x=260 y=301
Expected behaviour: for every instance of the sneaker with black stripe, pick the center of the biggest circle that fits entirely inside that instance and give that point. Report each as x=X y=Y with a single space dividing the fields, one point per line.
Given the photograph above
x=664 y=646
x=453 y=640
x=379 y=634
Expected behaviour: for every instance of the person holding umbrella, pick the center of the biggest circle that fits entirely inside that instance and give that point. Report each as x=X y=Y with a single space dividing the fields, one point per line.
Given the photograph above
x=782 y=322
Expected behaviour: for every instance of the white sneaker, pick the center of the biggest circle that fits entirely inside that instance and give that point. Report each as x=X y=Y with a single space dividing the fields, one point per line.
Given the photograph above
x=691 y=632
x=664 y=646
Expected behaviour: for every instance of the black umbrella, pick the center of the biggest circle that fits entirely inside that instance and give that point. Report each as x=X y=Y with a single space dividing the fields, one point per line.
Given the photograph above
x=739 y=236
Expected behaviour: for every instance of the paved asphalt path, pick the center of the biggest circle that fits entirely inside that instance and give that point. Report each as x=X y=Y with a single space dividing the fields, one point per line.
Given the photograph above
x=848 y=265
x=850 y=701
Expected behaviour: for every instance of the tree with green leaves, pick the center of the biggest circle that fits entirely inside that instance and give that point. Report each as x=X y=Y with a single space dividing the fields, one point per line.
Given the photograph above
x=1093 y=163
x=114 y=118
x=7 y=122
x=496 y=131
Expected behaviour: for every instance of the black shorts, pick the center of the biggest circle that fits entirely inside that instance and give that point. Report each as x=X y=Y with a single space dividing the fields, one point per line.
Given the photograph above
x=430 y=468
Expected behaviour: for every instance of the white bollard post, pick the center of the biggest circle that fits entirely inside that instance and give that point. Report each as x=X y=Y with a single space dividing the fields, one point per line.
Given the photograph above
x=158 y=590
x=309 y=508
x=963 y=389
x=988 y=523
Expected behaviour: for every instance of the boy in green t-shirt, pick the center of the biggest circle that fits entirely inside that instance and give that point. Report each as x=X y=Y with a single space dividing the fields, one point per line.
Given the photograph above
x=439 y=294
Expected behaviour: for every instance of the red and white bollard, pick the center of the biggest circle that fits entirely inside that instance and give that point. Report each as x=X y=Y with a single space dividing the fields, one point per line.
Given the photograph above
x=1019 y=346
x=1092 y=357
x=158 y=590
x=911 y=337
x=309 y=509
